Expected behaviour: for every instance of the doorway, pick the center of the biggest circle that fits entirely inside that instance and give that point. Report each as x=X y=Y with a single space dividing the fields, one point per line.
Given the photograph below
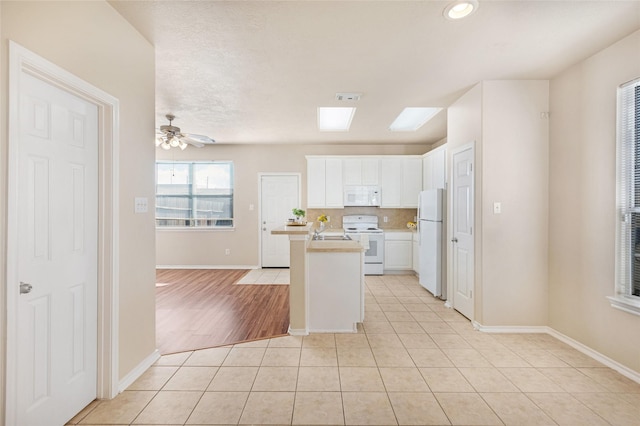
x=462 y=240
x=279 y=194
x=61 y=243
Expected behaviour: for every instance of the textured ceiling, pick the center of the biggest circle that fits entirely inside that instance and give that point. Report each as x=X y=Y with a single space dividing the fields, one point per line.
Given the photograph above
x=255 y=71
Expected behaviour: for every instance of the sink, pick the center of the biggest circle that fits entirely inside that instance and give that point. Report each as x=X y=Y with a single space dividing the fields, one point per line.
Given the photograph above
x=321 y=237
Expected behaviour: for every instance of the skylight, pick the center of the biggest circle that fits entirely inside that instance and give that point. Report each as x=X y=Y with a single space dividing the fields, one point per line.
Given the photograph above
x=335 y=119
x=412 y=118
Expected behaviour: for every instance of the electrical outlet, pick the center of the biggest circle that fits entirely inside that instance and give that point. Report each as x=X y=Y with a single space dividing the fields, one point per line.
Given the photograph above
x=385 y=219
x=227 y=252
x=251 y=207
x=328 y=218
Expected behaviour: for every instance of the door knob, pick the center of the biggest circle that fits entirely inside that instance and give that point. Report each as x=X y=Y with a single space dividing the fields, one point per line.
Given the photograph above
x=454 y=240
x=264 y=229
x=25 y=288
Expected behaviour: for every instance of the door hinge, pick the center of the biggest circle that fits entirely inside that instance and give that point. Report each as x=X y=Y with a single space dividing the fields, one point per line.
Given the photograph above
x=470 y=294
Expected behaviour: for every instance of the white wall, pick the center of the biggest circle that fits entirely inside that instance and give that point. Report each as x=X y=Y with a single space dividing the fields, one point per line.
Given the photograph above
x=92 y=41
x=515 y=172
x=207 y=248
x=582 y=203
x=511 y=167
x=464 y=126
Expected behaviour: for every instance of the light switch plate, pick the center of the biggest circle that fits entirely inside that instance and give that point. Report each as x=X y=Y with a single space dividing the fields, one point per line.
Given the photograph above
x=497 y=208
x=141 y=205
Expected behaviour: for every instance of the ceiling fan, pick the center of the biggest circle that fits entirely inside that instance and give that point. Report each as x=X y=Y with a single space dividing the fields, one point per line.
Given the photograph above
x=170 y=136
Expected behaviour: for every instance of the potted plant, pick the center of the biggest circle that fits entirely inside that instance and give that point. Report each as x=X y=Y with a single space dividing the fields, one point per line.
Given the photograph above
x=299 y=214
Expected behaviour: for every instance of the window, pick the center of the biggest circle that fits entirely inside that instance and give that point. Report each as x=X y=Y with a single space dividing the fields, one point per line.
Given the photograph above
x=627 y=295
x=194 y=194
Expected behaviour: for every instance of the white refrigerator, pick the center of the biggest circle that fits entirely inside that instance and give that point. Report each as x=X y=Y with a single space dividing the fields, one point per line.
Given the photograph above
x=430 y=244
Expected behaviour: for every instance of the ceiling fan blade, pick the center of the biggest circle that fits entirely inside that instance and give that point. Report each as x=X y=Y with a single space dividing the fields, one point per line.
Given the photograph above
x=191 y=142
x=197 y=138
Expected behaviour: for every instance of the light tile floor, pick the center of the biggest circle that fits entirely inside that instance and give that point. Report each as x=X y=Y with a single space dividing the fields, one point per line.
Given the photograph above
x=413 y=362
x=269 y=276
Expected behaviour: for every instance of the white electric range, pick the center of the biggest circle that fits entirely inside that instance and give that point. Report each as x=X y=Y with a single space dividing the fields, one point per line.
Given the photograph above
x=355 y=226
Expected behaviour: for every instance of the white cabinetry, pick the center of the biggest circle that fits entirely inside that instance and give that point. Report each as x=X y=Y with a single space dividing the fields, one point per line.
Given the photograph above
x=411 y=181
x=398 y=252
x=361 y=171
x=324 y=182
x=316 y=184
x=335 y=291
x=391 y=182
x=334 y=190
x=400 y=181
x=434 y=168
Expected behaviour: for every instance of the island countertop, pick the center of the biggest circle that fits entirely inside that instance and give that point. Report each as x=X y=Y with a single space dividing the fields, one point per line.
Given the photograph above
x=344 y=246
x=292 y=230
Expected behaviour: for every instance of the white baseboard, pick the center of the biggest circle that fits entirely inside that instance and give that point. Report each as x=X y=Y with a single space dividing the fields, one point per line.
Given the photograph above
x=207 y=267
x=298 y=331
x=605 y=360
x=345 y=331
x=510 y=328
x=138 y=371
x=615 y=365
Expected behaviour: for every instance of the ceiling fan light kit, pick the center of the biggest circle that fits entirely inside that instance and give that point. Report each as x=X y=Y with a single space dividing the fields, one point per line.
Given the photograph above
x=170 y=136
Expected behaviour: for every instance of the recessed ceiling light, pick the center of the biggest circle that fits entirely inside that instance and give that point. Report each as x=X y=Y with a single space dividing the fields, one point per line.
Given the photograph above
x=460 y=9
x=411 y=119
x=335 y=119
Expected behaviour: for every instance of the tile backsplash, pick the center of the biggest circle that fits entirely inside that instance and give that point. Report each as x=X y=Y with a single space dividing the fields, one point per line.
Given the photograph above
x=396 y=218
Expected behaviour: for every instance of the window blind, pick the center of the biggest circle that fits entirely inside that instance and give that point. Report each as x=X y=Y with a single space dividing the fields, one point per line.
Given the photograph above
x=629 y=188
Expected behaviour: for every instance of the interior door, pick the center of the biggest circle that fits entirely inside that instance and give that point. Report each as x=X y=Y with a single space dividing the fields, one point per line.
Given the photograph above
x=55 y=309
x=462 y=198
x=279 y=194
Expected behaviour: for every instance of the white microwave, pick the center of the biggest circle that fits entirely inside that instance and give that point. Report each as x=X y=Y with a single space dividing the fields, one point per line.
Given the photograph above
x=361 y=195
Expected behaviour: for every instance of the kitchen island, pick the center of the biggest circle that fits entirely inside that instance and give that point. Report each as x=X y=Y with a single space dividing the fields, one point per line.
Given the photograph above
x=326 y=291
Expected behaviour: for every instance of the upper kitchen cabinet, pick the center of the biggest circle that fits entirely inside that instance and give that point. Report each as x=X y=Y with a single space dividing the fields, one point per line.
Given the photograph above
x=400 y=181
x=324 y=182
x=434 y=168
x=361 y=171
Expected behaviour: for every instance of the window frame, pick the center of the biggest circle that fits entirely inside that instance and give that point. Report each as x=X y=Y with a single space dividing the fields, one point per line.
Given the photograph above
x=627 y=194
x=193 y=194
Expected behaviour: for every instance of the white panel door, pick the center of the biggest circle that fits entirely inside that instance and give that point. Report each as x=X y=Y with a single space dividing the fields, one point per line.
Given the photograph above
x=462 y=231
x=279 y=195
x=57 y=216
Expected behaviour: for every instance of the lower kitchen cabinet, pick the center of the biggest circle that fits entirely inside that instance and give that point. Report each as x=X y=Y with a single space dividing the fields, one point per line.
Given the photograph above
x=398 y=251
x=335 y=291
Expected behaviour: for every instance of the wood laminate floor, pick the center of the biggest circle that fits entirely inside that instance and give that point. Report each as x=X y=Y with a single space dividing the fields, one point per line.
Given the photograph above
x=198 y=309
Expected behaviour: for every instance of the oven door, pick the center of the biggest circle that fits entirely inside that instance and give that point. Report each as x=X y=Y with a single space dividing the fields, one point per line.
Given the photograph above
x=375 y=252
